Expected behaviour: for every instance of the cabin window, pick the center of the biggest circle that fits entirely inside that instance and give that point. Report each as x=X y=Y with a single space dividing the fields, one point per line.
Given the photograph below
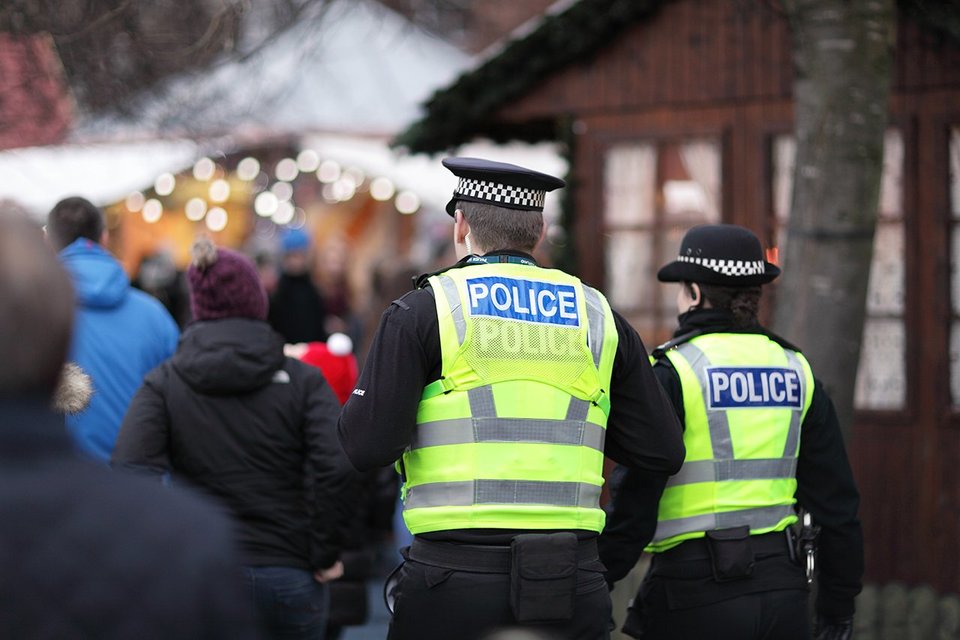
x=653 y=192
x=881 y=375
x=955 y=265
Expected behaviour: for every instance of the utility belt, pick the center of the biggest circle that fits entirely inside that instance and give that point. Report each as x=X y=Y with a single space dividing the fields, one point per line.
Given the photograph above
x=731 y=554
x=542 y=569
x=479 y=558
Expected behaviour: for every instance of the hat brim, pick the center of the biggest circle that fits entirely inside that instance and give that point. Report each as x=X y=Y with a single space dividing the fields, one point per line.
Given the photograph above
x=452 y=205
x=678 y=271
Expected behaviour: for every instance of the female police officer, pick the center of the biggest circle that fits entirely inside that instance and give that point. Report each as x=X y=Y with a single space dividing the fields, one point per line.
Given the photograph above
x=499 y=385
x=761 y=434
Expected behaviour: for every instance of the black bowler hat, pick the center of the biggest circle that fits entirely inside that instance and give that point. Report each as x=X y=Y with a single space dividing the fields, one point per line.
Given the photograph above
x=499 y=183
x=721 y=254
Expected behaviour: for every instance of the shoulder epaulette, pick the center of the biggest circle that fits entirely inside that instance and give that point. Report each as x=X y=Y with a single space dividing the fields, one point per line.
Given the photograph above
x=675 y=342
x=421 y=281
x=786 y=344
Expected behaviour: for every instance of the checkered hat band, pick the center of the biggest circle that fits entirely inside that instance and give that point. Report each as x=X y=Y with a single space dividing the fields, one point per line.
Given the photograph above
x=497 y=193
x=728 y=267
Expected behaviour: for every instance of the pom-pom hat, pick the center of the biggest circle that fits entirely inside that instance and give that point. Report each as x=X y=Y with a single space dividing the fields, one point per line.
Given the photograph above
x=224 y=284
x=720 y=254
x=499 y=183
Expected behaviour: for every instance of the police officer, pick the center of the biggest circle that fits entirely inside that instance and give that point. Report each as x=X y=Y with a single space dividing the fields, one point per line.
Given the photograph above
x=498 y=386
x=761 y=435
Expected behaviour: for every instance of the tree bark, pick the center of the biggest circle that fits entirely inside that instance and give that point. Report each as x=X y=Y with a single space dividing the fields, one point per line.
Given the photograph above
x=843 y=53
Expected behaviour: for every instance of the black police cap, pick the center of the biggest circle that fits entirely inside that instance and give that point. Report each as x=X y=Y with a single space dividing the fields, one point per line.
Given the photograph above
x=720 y=254
x=499 y=183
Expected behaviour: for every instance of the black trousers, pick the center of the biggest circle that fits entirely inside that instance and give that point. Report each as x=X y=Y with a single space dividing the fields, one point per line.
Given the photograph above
x=781 y=614
x=435 y=603
x=680 y=598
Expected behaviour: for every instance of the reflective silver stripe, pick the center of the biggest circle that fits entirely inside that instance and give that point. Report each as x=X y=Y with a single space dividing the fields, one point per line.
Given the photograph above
x=720 y=470
x=720 y=441
x=471 y=492
x=456 y=309
x=578 y=409
x=790 y=449
x=595 y=322
x=528 y=430
x=757 y=518
x=481 y=402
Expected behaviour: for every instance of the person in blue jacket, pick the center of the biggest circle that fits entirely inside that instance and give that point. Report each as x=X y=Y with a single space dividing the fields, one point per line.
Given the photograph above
x=120 y=332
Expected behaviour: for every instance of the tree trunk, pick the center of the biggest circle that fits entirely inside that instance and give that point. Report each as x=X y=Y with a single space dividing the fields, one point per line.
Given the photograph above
x=843 y=65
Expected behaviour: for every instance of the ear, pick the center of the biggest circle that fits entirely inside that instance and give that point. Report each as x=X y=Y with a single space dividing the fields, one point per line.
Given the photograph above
x=104 y=237
x=460 y=230
x=695 y=294
x=460 y=226
x=543 y=234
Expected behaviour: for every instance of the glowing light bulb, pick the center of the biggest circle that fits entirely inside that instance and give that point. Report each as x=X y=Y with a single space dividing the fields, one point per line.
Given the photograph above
x=382 y=189
x=219 y=190
x=152 y=210
x=164 y=184
x=248 y=168
x=195 y=209
x=204 y=169
x=216 y=219
x=407 y=202
x=329 y=171
x=287 y=170
x=135 y=201
x=308 y=161
x=265 y=204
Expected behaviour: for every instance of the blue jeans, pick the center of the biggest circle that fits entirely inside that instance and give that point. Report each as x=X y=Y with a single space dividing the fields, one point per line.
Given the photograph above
x=290 y=603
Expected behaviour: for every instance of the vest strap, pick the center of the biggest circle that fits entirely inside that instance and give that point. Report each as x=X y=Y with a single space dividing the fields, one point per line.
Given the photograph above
x=434 y=389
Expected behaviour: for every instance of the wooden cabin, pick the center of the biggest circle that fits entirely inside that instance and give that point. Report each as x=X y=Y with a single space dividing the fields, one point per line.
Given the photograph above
x=679 y=113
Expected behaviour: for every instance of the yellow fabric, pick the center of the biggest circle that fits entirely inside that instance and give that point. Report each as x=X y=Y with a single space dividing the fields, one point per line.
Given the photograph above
x=533 y=371
x=756 y=433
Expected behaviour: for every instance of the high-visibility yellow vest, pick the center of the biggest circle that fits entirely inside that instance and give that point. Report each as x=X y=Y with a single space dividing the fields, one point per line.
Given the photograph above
x=744 y=398
x=511 y=436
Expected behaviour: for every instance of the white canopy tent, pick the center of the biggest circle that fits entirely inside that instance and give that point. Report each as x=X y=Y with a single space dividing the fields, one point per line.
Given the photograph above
x=342 y=82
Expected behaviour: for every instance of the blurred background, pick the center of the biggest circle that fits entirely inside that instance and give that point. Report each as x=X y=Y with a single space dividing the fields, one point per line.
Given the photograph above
x=245 y=119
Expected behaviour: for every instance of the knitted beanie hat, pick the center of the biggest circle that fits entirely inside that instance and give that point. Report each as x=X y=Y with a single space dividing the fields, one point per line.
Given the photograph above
x=224 y=284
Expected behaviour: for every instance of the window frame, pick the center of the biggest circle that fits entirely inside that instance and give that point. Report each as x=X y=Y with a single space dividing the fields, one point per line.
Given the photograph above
x=607 y=142
x=911 y=312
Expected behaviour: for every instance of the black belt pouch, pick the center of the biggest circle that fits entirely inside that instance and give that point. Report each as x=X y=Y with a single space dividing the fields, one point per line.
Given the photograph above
x=731 y=553
x=543 y=577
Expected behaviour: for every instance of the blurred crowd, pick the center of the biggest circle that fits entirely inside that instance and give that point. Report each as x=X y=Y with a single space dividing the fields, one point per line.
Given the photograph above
x=169 y=454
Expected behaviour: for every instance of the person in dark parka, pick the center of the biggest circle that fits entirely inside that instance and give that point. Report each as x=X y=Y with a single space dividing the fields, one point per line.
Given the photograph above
x=233 y=416
x=85 y=553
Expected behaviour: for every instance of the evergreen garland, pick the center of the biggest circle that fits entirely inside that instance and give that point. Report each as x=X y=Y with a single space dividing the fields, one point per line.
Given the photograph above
x=453 y=114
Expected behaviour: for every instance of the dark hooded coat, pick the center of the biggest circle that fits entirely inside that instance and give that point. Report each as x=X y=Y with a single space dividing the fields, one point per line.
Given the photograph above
x=231 y=415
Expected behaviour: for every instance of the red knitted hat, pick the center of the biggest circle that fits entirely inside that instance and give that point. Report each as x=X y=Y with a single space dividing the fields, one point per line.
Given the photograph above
x=337 y=362
x=224 y=284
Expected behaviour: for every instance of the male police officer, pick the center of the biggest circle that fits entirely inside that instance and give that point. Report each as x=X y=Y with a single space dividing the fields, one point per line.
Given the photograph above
x=500 y=385
x=760 y=434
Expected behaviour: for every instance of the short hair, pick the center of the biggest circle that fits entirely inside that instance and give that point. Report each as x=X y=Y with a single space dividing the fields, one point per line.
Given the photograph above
x=497 y=228
x=742 y=302
x=36 y=317
x=74 y=218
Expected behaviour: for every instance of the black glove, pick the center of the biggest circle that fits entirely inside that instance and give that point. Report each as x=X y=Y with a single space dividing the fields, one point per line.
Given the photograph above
x=833 y=628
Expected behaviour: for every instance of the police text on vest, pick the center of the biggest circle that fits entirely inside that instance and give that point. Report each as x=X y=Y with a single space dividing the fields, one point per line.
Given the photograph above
x=754 y=387
x=526 y=300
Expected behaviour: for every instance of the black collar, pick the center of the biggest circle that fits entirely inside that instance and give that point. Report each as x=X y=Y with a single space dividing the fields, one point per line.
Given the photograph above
x=702 y=321
x=503 y=256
